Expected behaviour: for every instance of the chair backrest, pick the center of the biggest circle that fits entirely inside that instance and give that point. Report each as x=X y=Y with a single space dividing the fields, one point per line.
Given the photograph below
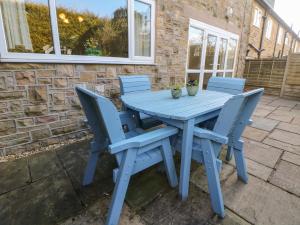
x=236 y=113
x=228 y=85
x=102 y=116
x=136 y=83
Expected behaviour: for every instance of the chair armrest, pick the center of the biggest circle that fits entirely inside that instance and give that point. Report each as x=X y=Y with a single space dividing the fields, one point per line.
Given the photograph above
x=207 y=134
x=143 y=139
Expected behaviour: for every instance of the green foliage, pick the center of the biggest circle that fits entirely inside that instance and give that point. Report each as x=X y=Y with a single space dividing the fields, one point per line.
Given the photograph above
x=192 y=83
x=176 y=87
x=84 y=33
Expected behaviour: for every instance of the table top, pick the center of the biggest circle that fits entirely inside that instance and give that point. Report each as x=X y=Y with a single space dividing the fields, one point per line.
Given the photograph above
x=161 y=103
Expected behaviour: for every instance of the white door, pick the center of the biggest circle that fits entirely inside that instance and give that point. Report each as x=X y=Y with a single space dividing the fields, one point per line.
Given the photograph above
x=211 y=52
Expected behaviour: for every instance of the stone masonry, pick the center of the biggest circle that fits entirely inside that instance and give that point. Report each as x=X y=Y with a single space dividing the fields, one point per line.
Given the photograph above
x=38 y=105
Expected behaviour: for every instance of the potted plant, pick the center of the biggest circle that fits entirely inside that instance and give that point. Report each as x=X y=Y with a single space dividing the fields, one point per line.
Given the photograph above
x=176 y=91
x=192 y=87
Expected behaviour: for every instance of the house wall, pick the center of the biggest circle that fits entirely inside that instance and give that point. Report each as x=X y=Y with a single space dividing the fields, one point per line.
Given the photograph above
x=270 y=46
x=38 y=105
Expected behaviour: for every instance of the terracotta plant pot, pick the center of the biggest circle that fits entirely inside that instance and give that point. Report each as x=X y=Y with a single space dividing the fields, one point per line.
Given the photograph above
x=192 y=90
x=176 y=93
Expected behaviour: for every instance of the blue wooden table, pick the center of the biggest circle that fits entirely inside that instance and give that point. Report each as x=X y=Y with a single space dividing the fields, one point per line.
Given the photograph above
x=183 y=113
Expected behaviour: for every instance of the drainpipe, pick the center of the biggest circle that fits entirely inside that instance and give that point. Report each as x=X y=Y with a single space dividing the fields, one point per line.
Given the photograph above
x=262 y=34
x=285 y=34
x=276 y=39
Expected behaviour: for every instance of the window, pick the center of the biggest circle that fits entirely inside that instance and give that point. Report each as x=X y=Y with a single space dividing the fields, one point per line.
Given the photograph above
x=269 y=29
x=280 y=36
x=91 y=31
x=257 y=17
x=287 y=41
x=231 y=53
x=195 y=47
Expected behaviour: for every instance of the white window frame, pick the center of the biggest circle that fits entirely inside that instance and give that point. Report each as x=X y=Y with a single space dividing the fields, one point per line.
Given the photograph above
x=269 y=29
x=257 y=17
x=287 y=40
x=6 y=56
x=219 y=33
x=280 y=36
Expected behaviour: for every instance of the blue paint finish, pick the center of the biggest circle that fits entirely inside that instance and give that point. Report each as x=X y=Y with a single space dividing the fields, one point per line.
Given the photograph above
x=227 y=85
x=134 y=85
x=204 y=146
x=135 y=150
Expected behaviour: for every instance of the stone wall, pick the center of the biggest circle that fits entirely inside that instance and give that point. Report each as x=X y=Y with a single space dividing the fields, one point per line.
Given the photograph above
x=38 y=105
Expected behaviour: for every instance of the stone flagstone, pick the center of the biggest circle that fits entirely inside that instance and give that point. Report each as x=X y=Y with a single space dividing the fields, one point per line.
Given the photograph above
x=284 y=116
x=287 y=176
x=289 y=127
x=261 y=203
x=254 y=134
x=290 y=157
x=264 y=123
x=13 y=174
x=262 y=153
x=286 y=137
x=282 y=145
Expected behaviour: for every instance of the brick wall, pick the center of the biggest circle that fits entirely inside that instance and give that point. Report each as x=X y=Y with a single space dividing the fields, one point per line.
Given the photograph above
x=38 y=105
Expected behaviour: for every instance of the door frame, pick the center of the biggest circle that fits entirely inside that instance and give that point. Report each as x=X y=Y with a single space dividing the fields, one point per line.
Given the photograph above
x=219 y=33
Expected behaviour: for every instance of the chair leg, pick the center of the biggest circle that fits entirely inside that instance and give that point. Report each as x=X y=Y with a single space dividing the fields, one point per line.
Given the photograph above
x=241 y=163
x=91 y=165
x=229 y=153
x=121 y=186
x=213 y=178
x=169 y=163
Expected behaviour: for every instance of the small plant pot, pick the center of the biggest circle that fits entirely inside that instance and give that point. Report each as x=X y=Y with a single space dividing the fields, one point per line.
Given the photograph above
x=176 y=93
x=192 y=90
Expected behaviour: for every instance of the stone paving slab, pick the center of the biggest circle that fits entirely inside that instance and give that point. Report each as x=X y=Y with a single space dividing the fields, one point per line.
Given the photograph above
x=284 y=102
x=290 y=157
x=289 y=127
x=287 y=176
x=14 y=174
x=287 y=137
x=283 y=116
x=46 y=201
x=264 y=123
x=262 y=153
x=261 y=203
x=96 y=215
x=255 y=134
x=260 y=112
x=199 y=178
x=39 y=162
x=170 y=210
x=296 y=120
x=230 y=219
x=282 y=145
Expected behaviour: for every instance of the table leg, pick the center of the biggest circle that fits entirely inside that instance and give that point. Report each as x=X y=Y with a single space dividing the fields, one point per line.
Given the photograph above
x=186 y=157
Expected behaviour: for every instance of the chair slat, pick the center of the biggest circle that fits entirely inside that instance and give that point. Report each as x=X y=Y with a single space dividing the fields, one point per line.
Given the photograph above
x=227 y=85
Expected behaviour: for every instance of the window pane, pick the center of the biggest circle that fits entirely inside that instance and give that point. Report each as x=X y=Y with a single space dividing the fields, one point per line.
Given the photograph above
x=228 y=74
x=206 y=77
x=222 y=54
x=142 y=28
x=210 y=52
x=98 y=28
x=220 y=74
x=195 y=47
x=193 y=76
x=27 y=26
x=231 y=53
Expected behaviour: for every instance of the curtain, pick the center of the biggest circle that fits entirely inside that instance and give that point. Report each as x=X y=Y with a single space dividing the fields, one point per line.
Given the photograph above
x=15 y=24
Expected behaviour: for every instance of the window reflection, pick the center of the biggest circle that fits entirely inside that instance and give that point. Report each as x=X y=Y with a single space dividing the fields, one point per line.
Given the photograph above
x=142 y=26
x=195 y=47
x=206 y=78
x=210 y=52
x=27 y=26
x=96 y=28
x=222 y=54
x=231 y=53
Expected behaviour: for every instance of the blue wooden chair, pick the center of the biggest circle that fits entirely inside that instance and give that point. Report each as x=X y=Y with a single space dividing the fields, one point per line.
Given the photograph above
x=135 y=150
x=228 y=85
x=228 y=129
x=135 y=84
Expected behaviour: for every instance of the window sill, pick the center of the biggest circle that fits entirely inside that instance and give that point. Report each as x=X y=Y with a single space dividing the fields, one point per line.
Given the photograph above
x=77 y=60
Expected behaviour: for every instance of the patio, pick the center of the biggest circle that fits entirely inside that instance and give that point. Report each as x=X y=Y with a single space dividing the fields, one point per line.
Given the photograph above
x=45 y=188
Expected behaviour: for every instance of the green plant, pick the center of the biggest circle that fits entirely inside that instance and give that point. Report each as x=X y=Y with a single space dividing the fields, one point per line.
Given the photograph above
x=176 y=87
x=192 y=83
